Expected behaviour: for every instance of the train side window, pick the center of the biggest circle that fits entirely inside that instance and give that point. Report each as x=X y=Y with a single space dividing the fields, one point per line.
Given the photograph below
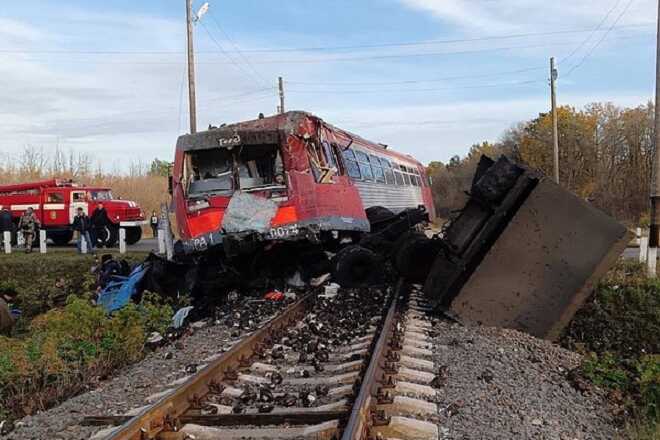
x=379 y=174
x=385 y=163
x=365 y=169
x=406 y=178
x=414 y=181
x=389 y=176
x=352 y=167
x=398 y=178
x=362 y=157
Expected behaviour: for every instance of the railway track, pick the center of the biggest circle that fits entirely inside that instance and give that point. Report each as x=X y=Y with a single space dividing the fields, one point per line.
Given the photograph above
x=355 y=365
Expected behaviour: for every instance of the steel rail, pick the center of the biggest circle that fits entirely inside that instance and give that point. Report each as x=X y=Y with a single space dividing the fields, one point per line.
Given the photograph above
x=164 y=415
x=361 y=418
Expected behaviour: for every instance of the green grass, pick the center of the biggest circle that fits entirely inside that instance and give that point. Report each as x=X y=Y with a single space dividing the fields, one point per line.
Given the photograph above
x=63 y=342
x=619 y=332
x=65 y=349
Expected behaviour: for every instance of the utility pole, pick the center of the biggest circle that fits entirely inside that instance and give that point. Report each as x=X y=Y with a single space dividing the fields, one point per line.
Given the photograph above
x=655 y=171
x=555 y=134
x=192 y=106
x=281 y=88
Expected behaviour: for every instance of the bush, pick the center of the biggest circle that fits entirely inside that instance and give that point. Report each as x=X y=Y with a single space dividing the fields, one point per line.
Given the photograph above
x=619 y=331
x=66 y=349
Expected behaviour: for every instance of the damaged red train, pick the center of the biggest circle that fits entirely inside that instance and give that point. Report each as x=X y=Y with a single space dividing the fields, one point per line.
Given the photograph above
x=289 y=177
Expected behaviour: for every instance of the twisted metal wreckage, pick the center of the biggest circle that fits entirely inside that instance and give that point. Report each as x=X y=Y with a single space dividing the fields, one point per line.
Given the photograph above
x=265 y=202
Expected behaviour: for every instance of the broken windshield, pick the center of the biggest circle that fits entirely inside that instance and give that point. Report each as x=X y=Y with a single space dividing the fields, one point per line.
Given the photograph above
x=220 y=170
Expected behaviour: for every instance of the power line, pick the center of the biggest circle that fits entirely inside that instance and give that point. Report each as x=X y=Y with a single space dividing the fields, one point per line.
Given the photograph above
x=594 y=47
x=596 y=29
x=415 y=81
x=318 y=48
x=226 y=54
x=237 y=49
x=351 y=59
x=477 y=86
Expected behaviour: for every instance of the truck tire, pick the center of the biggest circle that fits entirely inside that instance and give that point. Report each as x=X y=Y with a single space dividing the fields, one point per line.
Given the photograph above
x=60 y=238
x=415 y=255
x=108 y=236
x=133 y=234
x=356 y=266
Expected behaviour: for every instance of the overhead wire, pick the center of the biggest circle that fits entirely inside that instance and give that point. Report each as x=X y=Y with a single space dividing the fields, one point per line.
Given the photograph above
x=237 y=48
x=595 y=46
x=590 y=36
x=318 y=48
x=229 y=57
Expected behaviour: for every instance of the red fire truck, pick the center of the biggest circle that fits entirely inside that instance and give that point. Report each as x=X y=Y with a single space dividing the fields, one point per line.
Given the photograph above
x=311 y=180
x=56 y=201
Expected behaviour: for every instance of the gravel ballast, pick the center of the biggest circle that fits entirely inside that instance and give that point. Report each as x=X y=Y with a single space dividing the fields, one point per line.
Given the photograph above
x=501 y=384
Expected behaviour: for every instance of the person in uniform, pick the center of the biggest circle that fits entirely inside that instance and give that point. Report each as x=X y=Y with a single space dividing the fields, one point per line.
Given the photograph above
x=28 y=225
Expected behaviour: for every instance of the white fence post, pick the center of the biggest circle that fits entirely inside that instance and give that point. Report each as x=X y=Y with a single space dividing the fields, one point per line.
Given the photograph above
x=651 y=261
x=643 y=249
x=122 y=240
x=161 y=242
x=42 y=241
x=7 y=239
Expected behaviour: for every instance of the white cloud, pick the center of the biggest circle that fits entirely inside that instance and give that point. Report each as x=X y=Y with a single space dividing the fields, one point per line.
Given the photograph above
x=491 y=16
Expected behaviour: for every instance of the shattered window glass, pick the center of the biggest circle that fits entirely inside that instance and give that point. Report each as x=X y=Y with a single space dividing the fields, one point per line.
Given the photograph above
x=365 y=169
x=210 y=171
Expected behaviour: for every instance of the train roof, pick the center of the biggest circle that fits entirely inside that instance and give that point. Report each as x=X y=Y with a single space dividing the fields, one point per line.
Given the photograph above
x=267 y=130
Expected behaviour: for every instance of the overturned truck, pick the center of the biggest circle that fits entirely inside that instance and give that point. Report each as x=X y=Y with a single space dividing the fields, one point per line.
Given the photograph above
x=289 y=196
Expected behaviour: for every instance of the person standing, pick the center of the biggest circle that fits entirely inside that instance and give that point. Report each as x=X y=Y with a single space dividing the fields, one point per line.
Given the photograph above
x=82 y=225
x=28 y=225
x=154 y=223
x=100 y=221
x=6 y=224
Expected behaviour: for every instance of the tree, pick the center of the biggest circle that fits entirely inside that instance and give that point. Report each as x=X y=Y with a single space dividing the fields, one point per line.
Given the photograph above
x=160 y=168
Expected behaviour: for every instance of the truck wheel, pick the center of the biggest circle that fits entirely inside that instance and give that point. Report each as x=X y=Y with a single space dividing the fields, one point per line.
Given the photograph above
x=108 y=236
x=415 y=255
x=355 y=266
x=60 y=238
x=133 y=234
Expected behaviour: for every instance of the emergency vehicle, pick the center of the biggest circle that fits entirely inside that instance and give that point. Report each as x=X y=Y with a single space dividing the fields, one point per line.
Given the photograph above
x=55 y=203
x=323 y=180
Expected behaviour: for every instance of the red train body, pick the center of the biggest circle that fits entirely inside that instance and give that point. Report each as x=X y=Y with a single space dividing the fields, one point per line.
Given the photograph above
x=320 y=179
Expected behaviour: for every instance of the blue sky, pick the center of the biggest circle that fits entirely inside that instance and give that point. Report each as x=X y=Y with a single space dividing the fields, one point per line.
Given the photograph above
x=428 y=77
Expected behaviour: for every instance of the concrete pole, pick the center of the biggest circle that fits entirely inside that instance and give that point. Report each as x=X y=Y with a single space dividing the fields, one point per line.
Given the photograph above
x=122 y=240
x=6 y=235
x=280 y=84
x=42 y=241
x=192 y=106
x=555 y=130
x=655 y=171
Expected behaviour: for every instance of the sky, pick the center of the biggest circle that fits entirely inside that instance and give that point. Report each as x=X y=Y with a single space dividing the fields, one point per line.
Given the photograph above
x=427 y=77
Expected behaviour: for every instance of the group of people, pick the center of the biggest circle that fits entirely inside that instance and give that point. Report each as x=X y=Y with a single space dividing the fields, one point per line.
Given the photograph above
x=87 y=228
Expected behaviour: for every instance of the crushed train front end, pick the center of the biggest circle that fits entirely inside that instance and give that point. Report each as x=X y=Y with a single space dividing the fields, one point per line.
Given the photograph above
x=247 y=184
